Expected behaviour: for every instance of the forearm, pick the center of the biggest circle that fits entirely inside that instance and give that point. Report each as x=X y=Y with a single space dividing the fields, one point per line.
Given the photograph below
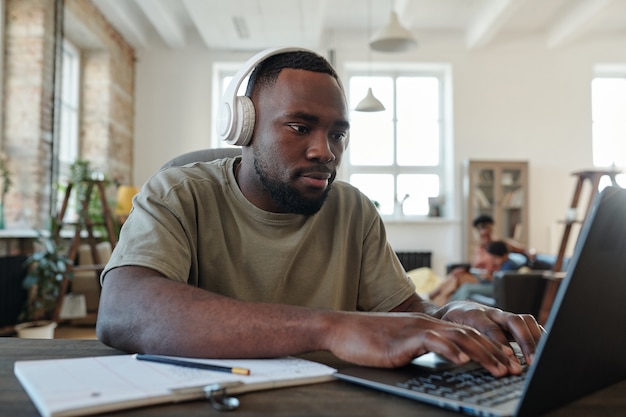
x=415 y=304
x=148 y=313
x=141 y=311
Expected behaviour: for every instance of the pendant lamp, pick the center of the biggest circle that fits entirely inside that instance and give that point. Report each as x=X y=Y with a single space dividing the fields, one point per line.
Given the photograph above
x=369 y=103
x=393 y=37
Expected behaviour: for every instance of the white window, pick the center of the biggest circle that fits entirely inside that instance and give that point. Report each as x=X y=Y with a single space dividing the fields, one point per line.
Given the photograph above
x=608 y=93
x=223 y=75
x=69 y=108
x=396 y=156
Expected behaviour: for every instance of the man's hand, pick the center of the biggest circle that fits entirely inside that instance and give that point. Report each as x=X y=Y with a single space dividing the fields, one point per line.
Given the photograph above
x=498 y=325
x=394 y=339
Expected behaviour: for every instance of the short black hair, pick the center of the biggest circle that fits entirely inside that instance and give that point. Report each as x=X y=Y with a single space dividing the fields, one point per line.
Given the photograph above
x=498 y=248
x=483 y=219
x=266 y=73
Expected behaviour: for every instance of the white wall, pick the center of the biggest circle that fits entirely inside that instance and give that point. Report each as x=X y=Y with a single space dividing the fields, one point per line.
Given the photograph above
x=515 y=101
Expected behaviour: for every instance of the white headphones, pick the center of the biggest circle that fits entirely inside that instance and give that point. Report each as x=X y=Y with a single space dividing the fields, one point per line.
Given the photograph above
x=236 y=114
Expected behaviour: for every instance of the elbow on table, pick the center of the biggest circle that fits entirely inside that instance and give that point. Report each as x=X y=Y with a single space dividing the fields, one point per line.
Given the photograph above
x=113 y=326
x=109 y=332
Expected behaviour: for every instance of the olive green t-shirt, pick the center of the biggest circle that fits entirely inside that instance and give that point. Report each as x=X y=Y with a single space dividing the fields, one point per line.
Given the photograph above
x=194 y=225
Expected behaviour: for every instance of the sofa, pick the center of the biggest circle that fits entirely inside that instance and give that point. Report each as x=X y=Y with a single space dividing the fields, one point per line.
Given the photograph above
x=518 y=291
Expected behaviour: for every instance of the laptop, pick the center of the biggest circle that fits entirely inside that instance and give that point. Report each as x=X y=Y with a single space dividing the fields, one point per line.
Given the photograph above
x=582 y=351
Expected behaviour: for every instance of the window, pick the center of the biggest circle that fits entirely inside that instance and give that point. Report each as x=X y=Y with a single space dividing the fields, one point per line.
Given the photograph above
x=223 y=74
x=69 y=119
x=69 y=107
x=396 y=157
x=608 y=95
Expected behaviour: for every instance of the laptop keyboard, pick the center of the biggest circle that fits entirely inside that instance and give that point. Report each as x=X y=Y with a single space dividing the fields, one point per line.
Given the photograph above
x=470 y=384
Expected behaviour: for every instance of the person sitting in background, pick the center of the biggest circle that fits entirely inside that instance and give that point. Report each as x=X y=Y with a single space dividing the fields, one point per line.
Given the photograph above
x=463 y=284
x=517 y=253
x=483 y=225
x=499 y=260
x=482 y=260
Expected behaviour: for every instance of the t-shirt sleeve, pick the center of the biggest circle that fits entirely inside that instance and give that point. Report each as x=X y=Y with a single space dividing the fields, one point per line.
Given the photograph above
x=155 y=235
x=384 y=282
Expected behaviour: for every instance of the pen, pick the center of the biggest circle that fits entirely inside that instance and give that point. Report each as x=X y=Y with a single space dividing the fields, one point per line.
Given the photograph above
x=191 y=364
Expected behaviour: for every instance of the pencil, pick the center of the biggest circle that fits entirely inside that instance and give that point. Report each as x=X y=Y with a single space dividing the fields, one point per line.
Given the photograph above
x=191 y=364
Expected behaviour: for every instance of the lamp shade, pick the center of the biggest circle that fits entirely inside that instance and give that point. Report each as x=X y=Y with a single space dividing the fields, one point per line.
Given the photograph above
x=393 y=37
x=370 y=103
x=125 y=194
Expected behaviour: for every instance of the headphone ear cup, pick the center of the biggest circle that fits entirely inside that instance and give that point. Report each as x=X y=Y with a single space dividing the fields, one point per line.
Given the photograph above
x=247 y=115
x=236 y=115
x=242 y=123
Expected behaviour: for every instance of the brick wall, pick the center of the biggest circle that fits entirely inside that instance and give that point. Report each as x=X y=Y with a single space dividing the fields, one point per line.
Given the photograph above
x=27 y=105
x=107 y=96
x=107 y=103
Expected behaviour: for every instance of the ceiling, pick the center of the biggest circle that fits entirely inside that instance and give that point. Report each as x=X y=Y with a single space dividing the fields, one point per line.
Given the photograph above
x=256 y=24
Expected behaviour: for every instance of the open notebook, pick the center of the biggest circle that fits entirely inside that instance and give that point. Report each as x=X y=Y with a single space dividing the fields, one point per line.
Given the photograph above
x=582 y=351
x=83 y=386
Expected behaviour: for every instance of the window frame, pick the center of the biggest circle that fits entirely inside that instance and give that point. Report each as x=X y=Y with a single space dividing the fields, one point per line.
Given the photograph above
x=442 y=73
x=69 y=153
x=222 y=71
x=605 y=71
x=66 y=156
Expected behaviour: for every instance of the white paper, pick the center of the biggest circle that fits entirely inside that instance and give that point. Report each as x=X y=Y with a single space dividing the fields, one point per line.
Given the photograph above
x=80 y=386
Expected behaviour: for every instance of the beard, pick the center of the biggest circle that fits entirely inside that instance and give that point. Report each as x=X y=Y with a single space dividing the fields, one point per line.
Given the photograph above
x=287 y=197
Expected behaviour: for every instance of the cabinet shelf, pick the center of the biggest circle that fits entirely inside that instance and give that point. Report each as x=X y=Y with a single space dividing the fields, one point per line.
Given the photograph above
x=498 y=189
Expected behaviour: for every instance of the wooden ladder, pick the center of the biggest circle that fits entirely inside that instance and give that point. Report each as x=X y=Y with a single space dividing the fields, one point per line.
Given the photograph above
x=84 y=228
x=594 y=177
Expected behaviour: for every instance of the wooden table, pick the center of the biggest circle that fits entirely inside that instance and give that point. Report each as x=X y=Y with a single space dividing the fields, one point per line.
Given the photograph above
x=336 y=399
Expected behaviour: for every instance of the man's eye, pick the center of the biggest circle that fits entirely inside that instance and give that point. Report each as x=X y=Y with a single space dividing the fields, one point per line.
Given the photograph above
x=299 y=128
x=339 y=136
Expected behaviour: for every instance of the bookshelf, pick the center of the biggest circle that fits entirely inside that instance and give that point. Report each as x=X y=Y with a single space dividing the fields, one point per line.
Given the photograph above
x=498 y=189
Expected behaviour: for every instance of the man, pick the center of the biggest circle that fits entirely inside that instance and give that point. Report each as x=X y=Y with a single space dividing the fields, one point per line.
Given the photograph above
x=483 y=225
x=498 y=251
x=481 y=281
x=266 y=255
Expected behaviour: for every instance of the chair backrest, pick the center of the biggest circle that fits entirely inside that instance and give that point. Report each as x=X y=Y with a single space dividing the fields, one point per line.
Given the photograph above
x=202 y=155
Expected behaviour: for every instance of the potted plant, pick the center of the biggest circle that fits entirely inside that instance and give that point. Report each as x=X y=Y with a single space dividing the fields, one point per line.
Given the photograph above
x=47 y=269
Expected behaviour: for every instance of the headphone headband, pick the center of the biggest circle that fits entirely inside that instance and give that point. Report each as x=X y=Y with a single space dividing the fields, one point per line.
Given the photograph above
x=236 y=114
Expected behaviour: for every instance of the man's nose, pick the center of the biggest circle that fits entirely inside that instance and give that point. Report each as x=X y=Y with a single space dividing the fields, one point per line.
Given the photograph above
x=320 y=149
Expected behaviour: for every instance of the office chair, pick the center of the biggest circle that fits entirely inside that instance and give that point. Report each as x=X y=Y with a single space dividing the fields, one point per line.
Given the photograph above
x=202 y=155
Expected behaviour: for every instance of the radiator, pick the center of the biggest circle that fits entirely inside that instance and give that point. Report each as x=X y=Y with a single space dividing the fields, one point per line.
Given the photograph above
x=412 y=260
x=12 y=294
